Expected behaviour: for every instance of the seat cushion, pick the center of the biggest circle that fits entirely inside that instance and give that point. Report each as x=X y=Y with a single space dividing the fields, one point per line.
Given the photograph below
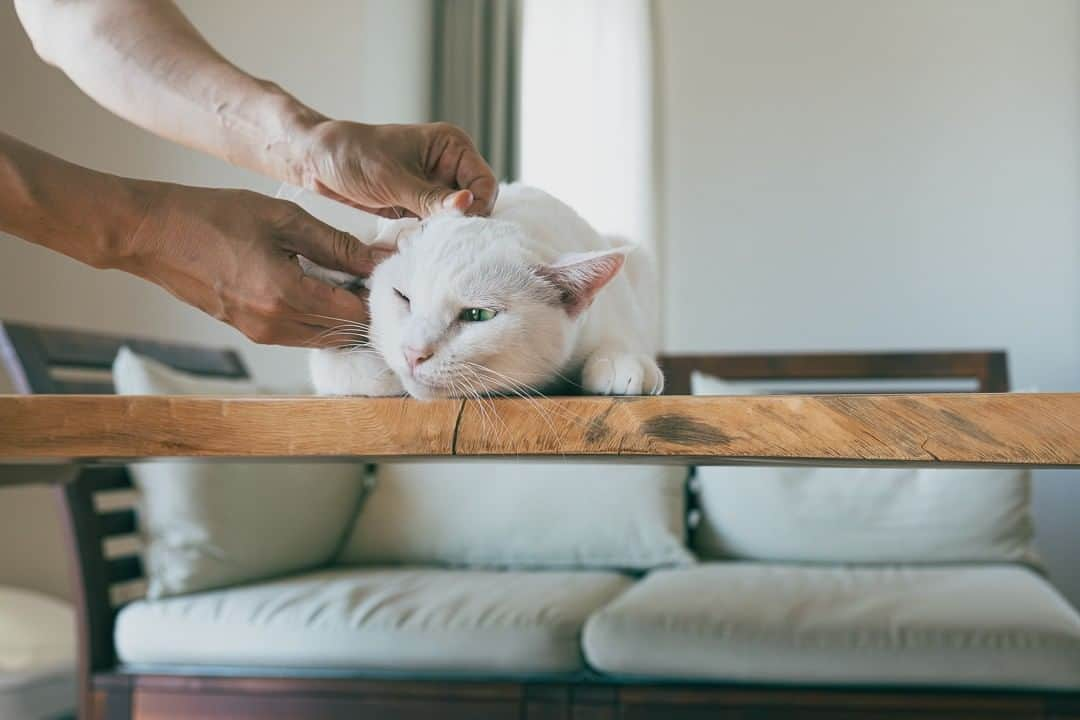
x=1001 y=626
x=45 y=693
x=37 y=655
x=376 y=619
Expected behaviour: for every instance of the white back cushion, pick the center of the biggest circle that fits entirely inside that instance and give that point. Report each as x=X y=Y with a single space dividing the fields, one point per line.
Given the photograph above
x=523 y=515
x=860 y=515
x=213 y=524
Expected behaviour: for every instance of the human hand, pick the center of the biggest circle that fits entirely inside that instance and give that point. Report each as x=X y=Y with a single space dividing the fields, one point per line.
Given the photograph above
x=233 y=254
x=399 y=170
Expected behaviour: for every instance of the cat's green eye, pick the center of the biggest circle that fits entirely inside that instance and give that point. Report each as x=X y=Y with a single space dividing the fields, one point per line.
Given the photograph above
x=476 y=314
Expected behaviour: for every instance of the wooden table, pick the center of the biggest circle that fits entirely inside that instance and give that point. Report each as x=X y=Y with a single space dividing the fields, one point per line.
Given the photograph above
x=1037 y=430
x=947 y=430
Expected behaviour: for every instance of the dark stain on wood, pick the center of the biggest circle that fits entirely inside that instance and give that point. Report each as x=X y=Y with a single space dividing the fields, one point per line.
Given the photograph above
x=598 y=429
x=683 y=430
x=967 y=427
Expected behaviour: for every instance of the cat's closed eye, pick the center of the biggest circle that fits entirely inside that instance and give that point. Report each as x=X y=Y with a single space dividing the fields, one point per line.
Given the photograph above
x=403 y=296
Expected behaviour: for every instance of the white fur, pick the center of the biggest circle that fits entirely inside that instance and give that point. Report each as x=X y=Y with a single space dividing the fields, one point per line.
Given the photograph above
x=528 y=261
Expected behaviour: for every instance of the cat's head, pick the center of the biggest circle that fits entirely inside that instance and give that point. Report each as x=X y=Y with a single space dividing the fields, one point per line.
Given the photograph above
x=462 y=308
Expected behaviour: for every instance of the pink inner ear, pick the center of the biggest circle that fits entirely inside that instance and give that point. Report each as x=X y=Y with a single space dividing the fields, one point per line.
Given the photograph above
x=581 y=276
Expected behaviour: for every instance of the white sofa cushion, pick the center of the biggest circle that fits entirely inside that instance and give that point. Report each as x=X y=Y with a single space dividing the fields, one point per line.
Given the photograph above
x=1000 y=626
x=209 y=525
x=378 y=619
x=523 y=515
x=37 y=655
x=860 y=515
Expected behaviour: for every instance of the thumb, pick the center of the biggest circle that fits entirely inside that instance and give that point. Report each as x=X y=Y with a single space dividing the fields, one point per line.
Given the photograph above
x=425 y=199
x=330 y=247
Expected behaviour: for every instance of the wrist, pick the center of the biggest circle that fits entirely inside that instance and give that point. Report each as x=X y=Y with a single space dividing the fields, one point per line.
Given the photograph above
x=292 y=131
x=128 y=241
x=327 y=148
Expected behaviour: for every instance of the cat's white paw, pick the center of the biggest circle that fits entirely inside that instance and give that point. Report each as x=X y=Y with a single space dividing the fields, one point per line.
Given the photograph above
x=351 y=372
x=621 y=373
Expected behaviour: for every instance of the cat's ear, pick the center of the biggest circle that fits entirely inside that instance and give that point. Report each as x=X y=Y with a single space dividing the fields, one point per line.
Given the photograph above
x=395 y=233
x=455 y=203
x=579 y=276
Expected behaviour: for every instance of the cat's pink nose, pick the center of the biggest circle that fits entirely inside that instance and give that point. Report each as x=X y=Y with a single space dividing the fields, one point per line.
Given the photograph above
x=415 y=356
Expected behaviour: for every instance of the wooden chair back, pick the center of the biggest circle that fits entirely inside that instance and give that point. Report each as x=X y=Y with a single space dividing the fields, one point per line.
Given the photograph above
x=42 y=360
x=987 y=369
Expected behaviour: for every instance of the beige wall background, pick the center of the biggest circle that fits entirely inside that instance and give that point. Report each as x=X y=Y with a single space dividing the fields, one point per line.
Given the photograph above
x=360 y=59
x=873 y=174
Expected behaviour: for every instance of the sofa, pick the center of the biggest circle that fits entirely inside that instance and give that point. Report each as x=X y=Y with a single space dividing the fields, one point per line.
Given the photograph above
x=499 y=589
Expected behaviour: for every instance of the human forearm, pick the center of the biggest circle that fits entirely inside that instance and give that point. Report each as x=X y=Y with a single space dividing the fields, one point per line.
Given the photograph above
x=230 y=253
x=144 y=61
x=86 y=215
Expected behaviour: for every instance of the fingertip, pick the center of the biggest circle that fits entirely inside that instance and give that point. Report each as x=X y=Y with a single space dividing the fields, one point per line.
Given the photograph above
x=349 y=305
x=485 y=193
x=381 y=253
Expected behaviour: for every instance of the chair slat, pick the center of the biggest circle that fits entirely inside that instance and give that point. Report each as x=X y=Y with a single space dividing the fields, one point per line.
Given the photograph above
x=83 y=387
x=105 y=479
x=47 y=347
x=123 y=569
x=118 y=522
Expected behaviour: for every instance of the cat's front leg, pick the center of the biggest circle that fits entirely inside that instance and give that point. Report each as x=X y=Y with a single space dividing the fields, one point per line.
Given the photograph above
x=352 y=372
x=613 y=370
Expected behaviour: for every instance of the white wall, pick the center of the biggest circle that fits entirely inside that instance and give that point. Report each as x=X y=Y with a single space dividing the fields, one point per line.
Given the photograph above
x=365 y=60
x=872 y=174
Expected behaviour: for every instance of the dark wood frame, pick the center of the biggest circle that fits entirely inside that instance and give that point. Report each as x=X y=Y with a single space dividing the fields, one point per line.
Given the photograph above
x=108 y=691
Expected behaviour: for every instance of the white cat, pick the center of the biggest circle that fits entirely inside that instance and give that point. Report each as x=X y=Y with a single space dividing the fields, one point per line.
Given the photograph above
x=526 y=300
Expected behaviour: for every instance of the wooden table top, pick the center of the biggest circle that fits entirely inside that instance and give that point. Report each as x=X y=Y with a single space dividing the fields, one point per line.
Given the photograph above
x=1033 y=429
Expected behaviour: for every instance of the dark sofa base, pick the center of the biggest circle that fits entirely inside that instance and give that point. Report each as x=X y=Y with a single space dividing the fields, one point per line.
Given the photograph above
x=128 y=696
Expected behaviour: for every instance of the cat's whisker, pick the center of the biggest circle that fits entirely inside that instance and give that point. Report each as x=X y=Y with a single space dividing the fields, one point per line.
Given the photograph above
x=364 y=346
x=470 y=391
x=345 y=321
x=346 y=329
x=537 y=408
x=518 y=385
x=569 y=381
x=341 y=341
x=546 y=414
x=461 y=385
x=338 y=331
x=480 y=399
x=487 y=415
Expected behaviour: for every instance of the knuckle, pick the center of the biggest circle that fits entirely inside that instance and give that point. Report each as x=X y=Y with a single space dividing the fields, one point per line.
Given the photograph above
x=428 y=199
x=286 y=214
x=343 y=245
x=270 y=304
x=456 y=132
x=262 y=335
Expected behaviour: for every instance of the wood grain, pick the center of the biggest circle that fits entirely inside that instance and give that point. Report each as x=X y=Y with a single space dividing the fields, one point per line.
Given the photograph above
x=950 y=429
x=1027 y=429
x=101 y=426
